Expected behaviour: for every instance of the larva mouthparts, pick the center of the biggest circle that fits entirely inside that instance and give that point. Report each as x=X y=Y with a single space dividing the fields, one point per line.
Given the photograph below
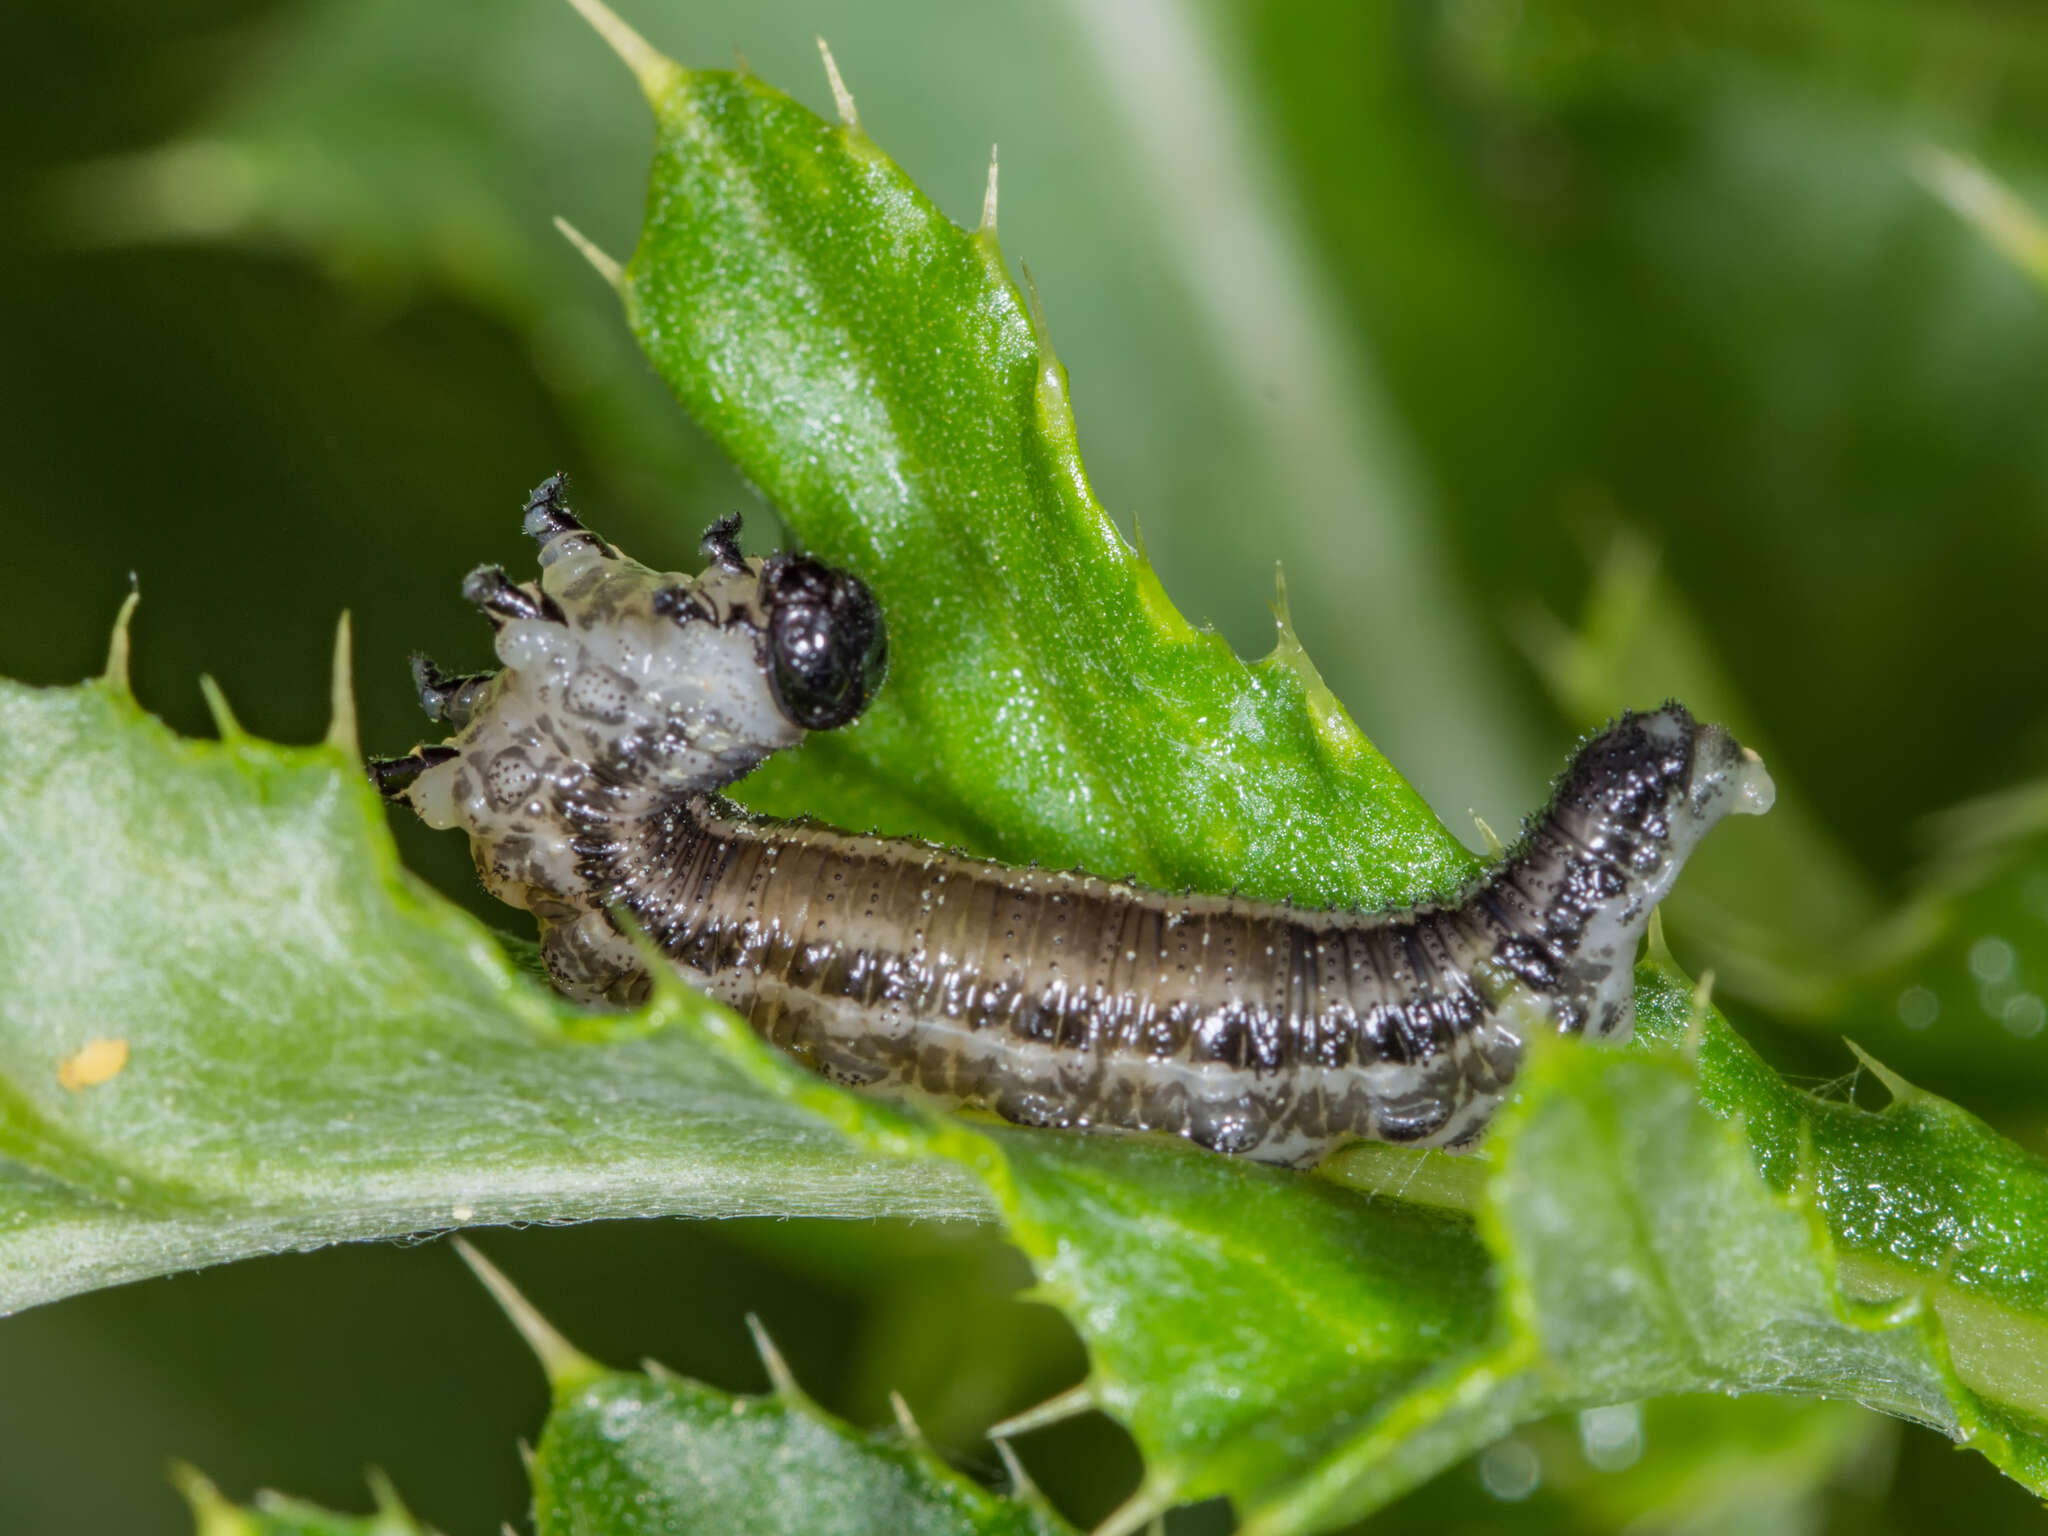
x=587 y=774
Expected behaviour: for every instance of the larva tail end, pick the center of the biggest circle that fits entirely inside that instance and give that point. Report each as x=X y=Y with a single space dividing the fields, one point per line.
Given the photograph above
x=1755 y=791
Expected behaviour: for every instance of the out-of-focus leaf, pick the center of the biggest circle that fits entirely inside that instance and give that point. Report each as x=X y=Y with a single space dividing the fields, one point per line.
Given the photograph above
x=407 y=148
x=272 y=1514
x=1950 y=983
x=1713 y=295
x=1765 y=902
x=1999 y=214
x=1708 y=1466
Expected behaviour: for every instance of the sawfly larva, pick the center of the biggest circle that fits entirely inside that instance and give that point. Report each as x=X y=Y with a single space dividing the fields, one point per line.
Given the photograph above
x=587 y=774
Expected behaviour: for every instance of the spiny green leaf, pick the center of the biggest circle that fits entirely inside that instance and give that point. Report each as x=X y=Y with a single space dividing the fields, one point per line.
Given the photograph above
x=873 y=368
x=626 y=1454
x=310 y=1046
x=1307 y=1349
x=273 y=1514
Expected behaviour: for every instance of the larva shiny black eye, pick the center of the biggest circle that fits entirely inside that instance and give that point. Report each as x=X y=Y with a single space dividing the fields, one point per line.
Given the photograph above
x=827 y=646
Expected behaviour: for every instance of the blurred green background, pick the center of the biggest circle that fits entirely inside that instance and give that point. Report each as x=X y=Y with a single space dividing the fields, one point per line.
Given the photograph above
x=1567 y=355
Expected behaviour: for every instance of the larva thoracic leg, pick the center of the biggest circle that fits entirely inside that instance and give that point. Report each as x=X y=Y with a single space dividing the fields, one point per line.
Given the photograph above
x=587 y=774
x=444 y=697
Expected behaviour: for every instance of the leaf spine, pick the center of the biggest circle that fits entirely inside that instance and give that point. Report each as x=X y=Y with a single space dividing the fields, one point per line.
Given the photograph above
x=115 y=675
x=561 y=1361
x=224 y=720
x=988 y=199
x=842 y=98
x=607 y=266
x=1076 y=1400
x=341 y=695
x=655 y=70
x=780 y=1377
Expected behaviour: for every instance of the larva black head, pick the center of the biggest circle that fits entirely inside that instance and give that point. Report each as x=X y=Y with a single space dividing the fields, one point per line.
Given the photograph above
x=827 y=648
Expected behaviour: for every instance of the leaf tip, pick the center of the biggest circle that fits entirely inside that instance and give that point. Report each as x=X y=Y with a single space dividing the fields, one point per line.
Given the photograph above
x=1166 y=619
x=341 y=694
x=116 y=674
x=562 y=1361
x=224 y=720
x=607 y=266
x=653 y=1368
x=655 y=70
x=842 y=98
x=1041 y=331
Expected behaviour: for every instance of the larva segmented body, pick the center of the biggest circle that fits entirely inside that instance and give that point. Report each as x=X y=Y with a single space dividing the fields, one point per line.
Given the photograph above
x=587 y=772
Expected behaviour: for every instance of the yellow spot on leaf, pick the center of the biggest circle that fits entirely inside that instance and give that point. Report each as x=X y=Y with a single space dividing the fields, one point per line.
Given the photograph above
x=95 y=1062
